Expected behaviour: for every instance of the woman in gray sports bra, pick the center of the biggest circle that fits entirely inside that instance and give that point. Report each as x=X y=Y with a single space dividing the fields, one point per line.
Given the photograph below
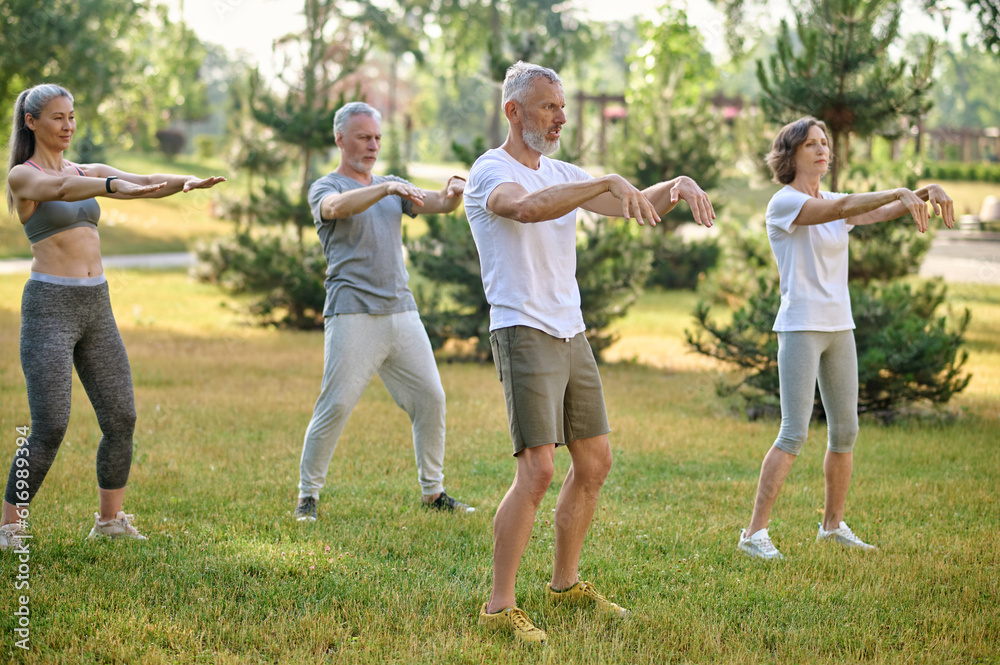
x=66 y=317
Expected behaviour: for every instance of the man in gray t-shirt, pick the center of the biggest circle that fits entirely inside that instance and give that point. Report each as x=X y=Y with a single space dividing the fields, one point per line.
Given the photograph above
x=371 y=322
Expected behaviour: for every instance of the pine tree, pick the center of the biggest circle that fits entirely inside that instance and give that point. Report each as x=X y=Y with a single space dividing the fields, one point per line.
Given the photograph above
x=837 y=67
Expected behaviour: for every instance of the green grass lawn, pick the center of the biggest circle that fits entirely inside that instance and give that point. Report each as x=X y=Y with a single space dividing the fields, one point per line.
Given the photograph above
x=227 y=576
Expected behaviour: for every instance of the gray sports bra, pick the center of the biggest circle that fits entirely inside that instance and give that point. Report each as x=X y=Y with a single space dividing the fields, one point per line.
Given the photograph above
x=52 y=217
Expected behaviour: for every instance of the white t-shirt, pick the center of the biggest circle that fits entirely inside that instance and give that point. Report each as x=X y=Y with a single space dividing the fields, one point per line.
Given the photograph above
x=529 y=270
x=812 y=266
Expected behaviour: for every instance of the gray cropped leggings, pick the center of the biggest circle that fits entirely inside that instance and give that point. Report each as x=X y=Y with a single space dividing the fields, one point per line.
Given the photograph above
x=804 y=356
x=62 y=325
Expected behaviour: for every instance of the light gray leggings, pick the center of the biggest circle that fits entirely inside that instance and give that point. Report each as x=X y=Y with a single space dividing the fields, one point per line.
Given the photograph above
x=62 y=325
x=804 y=356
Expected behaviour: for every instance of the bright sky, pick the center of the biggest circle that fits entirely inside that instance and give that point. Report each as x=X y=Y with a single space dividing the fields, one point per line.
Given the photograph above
x=252 y=25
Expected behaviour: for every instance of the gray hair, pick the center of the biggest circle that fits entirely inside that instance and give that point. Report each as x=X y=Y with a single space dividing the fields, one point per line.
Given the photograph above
x=519 y=78
x=348 y=111
x=22 y=138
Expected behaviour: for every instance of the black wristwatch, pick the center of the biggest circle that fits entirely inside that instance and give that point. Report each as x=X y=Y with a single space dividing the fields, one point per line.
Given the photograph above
x=107 y=183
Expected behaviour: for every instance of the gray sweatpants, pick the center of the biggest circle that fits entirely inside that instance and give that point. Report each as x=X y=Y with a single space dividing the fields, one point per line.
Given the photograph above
x=357 y=346
x=62 y=325
x=804 y=356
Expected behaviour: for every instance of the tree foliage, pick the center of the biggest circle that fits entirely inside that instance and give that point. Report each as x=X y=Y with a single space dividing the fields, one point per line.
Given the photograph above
x=67 y=43
x=670 y=129
x=286 y=278
x=545 y=32
x=965 y=94
x=837 y=67
x=986 y=11
x=334 y=44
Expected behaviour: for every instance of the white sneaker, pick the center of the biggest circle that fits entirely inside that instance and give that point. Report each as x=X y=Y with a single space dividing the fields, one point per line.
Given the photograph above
x=844 y=536
x=759 y=545
x=120 y=527
x=12 y=536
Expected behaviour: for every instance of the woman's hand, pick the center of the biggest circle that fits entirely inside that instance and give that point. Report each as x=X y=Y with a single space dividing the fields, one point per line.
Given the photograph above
x=130 y=189
x=915 y=206
x=202 y=183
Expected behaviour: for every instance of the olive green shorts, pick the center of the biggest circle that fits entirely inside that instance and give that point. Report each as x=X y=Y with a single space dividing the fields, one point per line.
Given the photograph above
x=552 y=387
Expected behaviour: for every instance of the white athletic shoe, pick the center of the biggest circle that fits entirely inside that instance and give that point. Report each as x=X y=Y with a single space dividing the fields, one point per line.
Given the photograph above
x=759 y=545
x=844 y=536
x=12 y=536
x=120 y=527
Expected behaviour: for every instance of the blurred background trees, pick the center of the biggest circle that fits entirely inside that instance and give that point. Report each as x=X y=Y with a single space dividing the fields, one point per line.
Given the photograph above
x=651 y=97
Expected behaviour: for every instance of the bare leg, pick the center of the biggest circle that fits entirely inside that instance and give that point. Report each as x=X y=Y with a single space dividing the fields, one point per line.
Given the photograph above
x=110 y=503
x=514 y=520
x=837 y=468
x=576 y=504
x=773 y=471
x=11 y=514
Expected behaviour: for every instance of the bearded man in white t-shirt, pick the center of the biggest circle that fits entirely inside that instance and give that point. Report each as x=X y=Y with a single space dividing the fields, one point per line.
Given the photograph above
x=522 y=208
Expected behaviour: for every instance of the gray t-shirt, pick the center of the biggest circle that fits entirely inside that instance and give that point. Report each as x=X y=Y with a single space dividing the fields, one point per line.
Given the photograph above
x=365 y=272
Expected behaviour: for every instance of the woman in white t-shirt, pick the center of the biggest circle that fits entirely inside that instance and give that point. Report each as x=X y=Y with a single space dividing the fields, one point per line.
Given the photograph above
x=808 y=231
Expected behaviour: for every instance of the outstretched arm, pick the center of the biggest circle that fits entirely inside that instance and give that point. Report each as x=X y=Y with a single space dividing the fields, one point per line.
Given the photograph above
x=347 y=204
x=513 y=201
x=941 y=202
x=821 y=211
x=31 y=184
x=662 y=197
x=446 y=200
x=171 y=184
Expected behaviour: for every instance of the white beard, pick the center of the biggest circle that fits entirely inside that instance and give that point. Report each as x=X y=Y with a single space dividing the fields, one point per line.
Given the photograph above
x=537 y=139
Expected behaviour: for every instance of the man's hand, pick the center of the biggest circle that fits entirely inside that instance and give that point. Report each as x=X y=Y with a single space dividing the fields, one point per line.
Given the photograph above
x=405 y=192
x=942 y=204
x=455 y=187
x=701 y=207
x=915 y=206
x=634 y=202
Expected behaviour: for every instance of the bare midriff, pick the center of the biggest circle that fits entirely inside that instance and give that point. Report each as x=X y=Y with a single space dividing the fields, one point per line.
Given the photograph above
x=71 y=253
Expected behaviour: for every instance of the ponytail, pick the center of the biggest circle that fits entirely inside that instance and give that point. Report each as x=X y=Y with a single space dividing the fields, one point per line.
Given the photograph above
x=22 y=138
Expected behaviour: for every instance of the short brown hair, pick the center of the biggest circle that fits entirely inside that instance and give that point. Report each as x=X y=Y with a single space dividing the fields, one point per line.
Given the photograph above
x=781 y=159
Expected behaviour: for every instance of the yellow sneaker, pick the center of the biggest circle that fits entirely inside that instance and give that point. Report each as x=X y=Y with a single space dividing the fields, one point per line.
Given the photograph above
x=515 y=620
x=585 y=593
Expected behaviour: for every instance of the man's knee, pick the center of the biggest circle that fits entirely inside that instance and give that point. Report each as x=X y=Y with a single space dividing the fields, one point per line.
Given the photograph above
x=592 y=460
x=535 y=470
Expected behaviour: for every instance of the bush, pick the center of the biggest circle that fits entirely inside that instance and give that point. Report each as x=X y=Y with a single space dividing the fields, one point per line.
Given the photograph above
x=887 y=251
x=207 y=146
x=976 y=171
x=891 y=249
x=906 y=354
x=746 y=258
x=612 y=265
x=678 y=264
x=171 y=141
x=289 y=278
x=455 y=306
x=469 y=154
